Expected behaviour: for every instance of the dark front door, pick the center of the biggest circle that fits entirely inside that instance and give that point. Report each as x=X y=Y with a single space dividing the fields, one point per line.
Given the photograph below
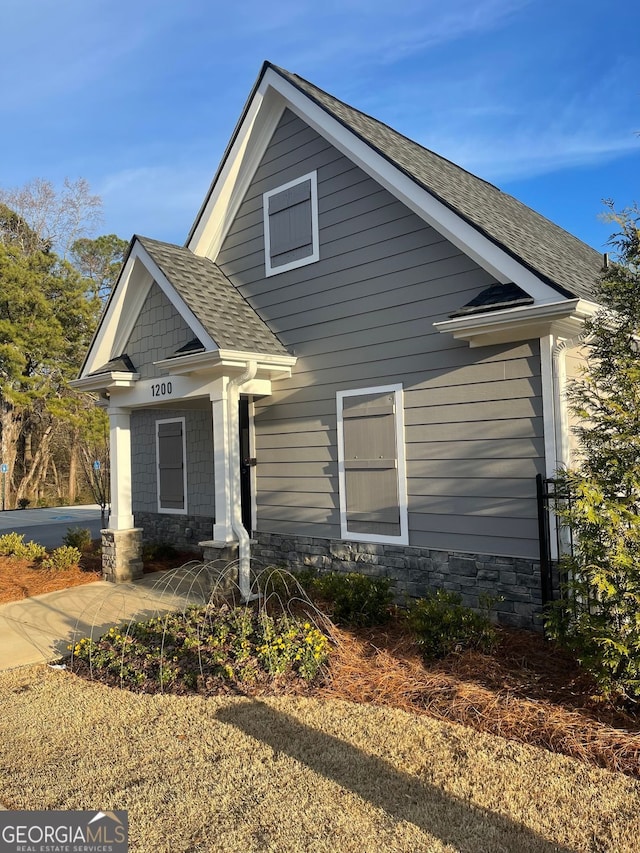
x=245 y=463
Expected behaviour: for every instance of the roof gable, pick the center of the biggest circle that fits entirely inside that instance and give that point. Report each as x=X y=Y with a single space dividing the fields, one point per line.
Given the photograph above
x=212 y=308
x=511 y=241
x=227 y=317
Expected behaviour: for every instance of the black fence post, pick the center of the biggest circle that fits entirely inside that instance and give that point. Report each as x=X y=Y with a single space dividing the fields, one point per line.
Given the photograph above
x=544 y=537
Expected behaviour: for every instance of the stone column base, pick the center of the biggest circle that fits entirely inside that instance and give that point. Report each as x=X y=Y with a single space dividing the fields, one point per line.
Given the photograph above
x=222 y=558
x=122 y=555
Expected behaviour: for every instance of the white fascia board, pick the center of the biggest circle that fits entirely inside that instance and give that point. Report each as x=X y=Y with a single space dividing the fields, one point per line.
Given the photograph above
x=523 y=322
x=270 y=99
x=113 y=379
x=208 y=361
x=130 y=292
x=236 y=173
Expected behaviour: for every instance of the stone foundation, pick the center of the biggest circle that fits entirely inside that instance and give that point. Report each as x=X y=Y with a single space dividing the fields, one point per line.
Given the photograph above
x=181 y=531
x=121 y=555
x=222 y=558
x=416 y=571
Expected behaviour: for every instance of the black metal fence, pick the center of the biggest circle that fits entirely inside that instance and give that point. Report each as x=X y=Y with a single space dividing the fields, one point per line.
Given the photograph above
x=555 y=537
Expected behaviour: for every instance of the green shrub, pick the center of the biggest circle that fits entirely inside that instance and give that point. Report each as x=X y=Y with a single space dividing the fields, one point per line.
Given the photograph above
x=78 y=537
x=356 y=599
x=206 y=648
x=62 y=558
x=158 y=551
x=10 y=543
x=442 y=624
x=13 y=545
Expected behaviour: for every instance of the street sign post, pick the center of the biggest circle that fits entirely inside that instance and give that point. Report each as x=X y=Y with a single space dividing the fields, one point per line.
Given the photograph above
x=3 y=470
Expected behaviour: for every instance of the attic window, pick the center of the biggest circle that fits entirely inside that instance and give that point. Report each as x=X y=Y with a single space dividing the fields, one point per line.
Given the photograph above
x=291 y=225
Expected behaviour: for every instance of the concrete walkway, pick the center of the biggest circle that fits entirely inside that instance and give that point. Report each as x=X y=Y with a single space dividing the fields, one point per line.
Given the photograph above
x=39 y=629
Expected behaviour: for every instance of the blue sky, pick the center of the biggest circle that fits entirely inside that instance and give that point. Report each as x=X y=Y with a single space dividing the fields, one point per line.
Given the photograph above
x=541 y=97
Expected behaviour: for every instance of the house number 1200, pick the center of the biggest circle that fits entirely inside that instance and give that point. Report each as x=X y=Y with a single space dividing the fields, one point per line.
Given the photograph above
x=160 y=389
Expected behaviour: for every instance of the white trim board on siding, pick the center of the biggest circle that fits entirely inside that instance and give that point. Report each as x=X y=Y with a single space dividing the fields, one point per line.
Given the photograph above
x=403 y=537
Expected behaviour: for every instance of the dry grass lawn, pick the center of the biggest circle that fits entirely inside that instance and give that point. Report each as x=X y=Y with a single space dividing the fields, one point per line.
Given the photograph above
x=297 y=774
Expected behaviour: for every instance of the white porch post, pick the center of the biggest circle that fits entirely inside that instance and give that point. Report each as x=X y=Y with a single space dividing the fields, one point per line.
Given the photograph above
x=121 y=541
x=219 y=396
x=121 y=516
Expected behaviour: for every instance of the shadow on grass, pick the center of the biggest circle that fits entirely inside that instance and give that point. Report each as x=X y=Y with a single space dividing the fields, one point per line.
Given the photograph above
x=402 y=796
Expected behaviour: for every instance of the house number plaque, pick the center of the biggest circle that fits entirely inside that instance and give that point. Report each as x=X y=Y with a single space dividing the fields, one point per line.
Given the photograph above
x=161 y=389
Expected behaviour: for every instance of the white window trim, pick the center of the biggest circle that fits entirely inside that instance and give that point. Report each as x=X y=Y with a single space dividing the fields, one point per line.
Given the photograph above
x=161 y=509
x=315 y=237
x=403 y=537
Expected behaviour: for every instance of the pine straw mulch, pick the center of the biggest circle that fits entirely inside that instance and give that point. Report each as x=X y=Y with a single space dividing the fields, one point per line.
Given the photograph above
x=22 y=579
x=527 y=691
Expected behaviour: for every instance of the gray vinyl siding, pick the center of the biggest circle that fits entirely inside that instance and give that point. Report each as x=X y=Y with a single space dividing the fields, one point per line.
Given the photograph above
x=362 y=317
x=199 y=446
x=158 y=332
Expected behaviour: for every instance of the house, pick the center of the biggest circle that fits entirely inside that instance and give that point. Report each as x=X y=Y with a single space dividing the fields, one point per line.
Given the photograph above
x=356 y=361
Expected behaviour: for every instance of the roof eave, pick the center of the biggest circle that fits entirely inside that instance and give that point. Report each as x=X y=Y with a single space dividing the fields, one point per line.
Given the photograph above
x=101 y=381
x=276 y=365
x=564 y=319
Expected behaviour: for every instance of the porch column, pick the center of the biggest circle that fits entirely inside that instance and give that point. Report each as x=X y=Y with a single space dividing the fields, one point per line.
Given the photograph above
x=121 y=541
x=219 y=396
x=121 y=516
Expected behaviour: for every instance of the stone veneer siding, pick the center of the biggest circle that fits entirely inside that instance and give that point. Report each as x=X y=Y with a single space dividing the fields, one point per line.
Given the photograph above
x=416 y=571
x=174 y=529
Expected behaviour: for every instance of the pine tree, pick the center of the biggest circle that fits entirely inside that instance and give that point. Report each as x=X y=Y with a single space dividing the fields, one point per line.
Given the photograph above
x=600 y=613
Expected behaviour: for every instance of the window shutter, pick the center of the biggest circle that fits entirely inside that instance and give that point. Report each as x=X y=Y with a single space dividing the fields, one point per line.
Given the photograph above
x=171 y=465
x=371 y=464
x=290 y=224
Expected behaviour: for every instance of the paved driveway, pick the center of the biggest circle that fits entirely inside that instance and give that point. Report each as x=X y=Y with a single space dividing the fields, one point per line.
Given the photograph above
x=49 y=526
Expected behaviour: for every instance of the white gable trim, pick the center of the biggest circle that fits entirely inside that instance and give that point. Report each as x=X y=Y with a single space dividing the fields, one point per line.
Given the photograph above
x=123 y=309
x=236 y=173
x=254 y=134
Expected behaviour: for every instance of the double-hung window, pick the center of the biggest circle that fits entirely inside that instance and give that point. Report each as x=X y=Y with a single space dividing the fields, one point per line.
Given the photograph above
x=291 y=224
x=371 y=465
x=171 y=465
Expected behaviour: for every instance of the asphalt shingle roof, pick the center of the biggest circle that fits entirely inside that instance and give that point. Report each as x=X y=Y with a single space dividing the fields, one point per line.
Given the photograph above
x=564 y=262
x=224 y=313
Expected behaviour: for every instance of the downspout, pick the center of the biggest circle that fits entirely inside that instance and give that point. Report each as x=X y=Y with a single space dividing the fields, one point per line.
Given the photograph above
x=244 y=542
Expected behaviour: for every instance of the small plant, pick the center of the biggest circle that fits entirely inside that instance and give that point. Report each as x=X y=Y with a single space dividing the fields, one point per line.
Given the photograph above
x=442 y=624
x=78 y=537
x=357 y=599
x=23 y=503
x=62 y=558
x=13 y=545
x=206 y=649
